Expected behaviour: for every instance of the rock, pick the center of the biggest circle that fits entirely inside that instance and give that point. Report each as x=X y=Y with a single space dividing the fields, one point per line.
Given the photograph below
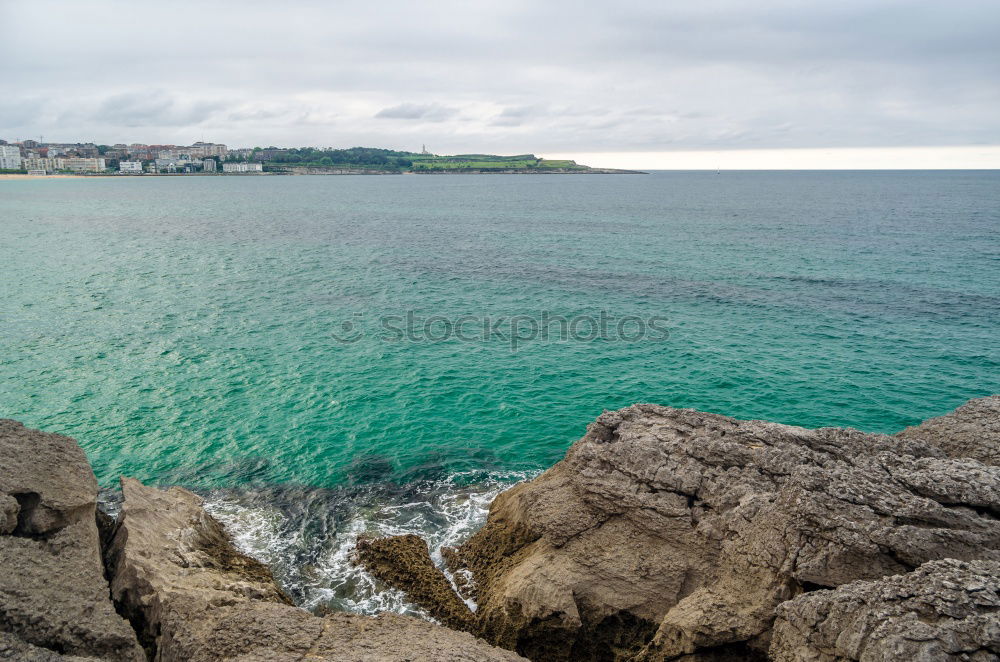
x=13 y=648
x=195 y=598
x=54 y=598
x=667 y=533
x=972 y=430
x=405 y=563
x=943 y=610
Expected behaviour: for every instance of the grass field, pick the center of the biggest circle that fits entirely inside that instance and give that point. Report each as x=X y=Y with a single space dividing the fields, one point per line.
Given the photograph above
x=385 y=160
x=488 y=162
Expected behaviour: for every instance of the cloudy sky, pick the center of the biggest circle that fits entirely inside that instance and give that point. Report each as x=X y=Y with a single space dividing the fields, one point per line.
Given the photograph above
x=554 y=78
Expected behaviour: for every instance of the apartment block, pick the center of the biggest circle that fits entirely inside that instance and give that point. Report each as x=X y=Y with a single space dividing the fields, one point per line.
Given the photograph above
x=241 y=166
x=84 y=164
x=10 y=157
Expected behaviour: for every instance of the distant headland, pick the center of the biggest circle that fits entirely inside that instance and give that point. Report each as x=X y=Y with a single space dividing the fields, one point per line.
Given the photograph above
x=31 y=157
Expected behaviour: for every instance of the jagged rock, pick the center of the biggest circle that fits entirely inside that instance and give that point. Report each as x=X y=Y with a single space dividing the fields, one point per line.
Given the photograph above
x=943 y=610
x=405 y=563
x=972 y=430
x=13 y=648
x=53 y=594
x=667 y=533
x=194 y=598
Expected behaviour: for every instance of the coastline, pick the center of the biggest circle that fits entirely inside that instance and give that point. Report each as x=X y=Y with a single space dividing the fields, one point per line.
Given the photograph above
x=662 y=534
x=330 y=173
x=6 y=176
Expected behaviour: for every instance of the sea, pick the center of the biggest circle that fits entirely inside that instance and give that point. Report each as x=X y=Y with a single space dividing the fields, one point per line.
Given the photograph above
x=321 y=357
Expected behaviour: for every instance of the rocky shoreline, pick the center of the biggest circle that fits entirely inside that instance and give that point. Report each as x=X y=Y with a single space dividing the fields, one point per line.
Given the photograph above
x=664 y=534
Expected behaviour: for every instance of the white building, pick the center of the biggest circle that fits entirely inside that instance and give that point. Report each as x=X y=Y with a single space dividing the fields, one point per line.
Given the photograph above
x=208 y=165
x=84 y=165
x=10 y=157
x=48 y=165
x=130 y=167
x=242 y=167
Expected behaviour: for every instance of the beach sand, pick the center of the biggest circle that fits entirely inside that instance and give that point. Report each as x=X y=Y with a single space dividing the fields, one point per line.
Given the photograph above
x=8 y=176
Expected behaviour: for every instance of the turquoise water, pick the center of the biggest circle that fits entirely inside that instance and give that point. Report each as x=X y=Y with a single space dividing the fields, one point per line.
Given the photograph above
x=183 y=329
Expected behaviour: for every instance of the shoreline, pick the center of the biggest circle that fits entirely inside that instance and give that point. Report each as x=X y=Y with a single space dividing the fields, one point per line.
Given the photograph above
x=596 y=171
x=631 y=530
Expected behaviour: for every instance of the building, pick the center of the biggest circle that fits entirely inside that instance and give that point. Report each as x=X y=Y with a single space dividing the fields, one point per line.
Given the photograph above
x=10 y=157
x=37 y=173
x=242 y=167
x=45 y=164
x=130 y=167
x=83 y=164
x=208 y=149
x=173 y=153
x=79 y=150
x=208 y=165
x=167 y=165
x=163 y=151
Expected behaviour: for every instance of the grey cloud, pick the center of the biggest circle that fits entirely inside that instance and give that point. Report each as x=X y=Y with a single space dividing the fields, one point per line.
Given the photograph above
x=156 y=108
x=511 y=77
x=517 y=115
x=413 y=111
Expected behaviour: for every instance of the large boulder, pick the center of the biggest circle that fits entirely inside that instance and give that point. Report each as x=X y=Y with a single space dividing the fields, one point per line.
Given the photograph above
x=943 y=610
x=54 y=598
x=667 y=533
x=972 y=430
x=194 y=598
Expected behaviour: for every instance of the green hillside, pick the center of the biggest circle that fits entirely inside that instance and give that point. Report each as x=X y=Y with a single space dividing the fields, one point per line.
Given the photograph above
x=370 y=158
x=431 y=162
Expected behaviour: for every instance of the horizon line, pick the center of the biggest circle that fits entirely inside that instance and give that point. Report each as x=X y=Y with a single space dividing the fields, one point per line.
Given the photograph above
x=959 y=157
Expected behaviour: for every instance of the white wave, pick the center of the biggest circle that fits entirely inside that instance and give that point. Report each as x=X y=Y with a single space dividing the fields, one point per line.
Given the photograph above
x=313 y=559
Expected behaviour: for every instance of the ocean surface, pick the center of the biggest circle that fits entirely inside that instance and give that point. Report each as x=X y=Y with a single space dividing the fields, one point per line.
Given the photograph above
x=247 y=337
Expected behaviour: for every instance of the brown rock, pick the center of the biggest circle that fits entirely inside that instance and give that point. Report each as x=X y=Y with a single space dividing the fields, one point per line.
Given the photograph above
x=405 y=563
x=195 y=598
x=13 y=648
x=943 y=610
x=53 y=594
x=668 y=532
x=972 y=430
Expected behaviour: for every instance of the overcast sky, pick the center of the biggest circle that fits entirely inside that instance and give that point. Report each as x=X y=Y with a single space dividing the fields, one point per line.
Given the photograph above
x=507 y=77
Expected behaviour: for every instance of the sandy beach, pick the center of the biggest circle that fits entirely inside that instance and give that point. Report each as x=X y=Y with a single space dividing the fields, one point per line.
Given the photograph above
x=21 y=177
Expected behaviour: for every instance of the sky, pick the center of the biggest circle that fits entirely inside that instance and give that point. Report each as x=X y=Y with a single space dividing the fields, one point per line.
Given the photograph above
x=712 y=83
